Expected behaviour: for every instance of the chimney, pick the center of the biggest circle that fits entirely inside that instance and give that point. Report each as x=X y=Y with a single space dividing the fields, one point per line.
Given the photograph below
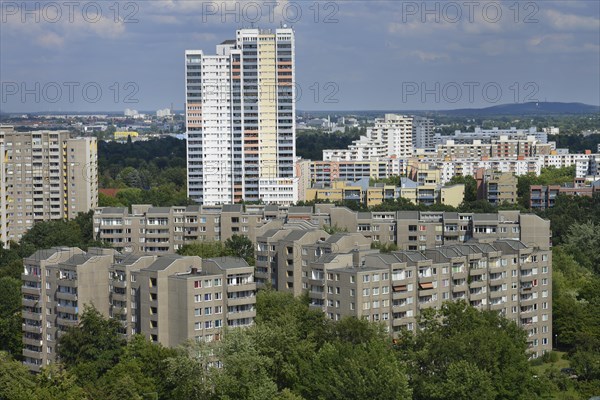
x=194 y=270
x=355 y=258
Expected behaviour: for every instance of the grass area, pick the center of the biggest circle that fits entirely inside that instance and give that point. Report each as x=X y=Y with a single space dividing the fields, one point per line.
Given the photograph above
x=560 y=363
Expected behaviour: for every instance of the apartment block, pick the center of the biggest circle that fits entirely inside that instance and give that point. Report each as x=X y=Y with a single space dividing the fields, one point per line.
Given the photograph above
x=156 y=230
x=390 y=137
x=327 y=172
x=240 y=113
x=422 y=133
x=496 y=187
x=57 y=283
x=168 y=299
x=543 y=197
x=487 y=135
x=410 y=230
x=429 y=193
x=344 y=277
x=48 y=175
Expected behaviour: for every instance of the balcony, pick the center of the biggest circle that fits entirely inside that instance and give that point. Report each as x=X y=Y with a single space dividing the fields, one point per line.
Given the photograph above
x=32 y=328
x=32 y=316
x=241 y=301
x=32 y=341
x=31 y=290
x=32 y=353
x=30 y=302
x=66 y=296
x=66 y=322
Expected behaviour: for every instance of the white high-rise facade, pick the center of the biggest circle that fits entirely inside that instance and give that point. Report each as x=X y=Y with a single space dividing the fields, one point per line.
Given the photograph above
x=240 y=113
x=390 y=137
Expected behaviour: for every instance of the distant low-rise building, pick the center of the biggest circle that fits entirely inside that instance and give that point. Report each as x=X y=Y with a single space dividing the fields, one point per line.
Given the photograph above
x=543 y=197
x=123 y=136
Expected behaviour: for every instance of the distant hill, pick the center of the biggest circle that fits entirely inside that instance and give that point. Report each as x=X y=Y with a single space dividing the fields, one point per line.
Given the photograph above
x=533 y=108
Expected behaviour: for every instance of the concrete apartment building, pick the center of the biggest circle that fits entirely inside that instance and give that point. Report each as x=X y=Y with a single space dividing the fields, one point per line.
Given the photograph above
x=56 y=284
x=496 y=187
x=543 y=197
x=501 y=147
x=48 y=175
x=240 y=114
x=390 y=137
x=487 y=135
x=422 y=133
x=344 y=277
x=168 y=299
x=410 y=230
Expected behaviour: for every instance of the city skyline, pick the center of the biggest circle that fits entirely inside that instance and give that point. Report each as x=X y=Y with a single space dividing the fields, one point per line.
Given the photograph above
x=427 y=58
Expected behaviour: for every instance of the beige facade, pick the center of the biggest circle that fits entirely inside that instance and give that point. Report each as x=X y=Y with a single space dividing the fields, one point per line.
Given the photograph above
x=168 y=299
x=344 y=277
x=452 y=195
x=47 y=176
x=496 y=187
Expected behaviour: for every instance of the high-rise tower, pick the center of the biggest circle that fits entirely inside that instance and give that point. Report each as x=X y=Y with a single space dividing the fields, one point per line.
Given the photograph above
x=240 y=119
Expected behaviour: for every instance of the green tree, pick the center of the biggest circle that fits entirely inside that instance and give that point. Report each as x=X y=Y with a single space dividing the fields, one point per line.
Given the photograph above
x=93 y=347
x=482 y=339
x=188 y=374
x=343 y=370
x=203 y=249
x=241 y=246
x=16 y=382
x=10 y=316
x=245 y=371
x=470 y=186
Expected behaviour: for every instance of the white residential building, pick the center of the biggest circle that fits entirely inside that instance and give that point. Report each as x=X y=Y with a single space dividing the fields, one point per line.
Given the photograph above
x=392 y=136
x=240 y=113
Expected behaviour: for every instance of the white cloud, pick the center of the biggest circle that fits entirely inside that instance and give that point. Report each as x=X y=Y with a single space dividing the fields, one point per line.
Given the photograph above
x=571 y=22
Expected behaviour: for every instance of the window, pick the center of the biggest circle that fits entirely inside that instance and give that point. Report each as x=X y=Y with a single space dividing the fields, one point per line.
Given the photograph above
x=375 y=277
x=197 y=326
x=385 y=289
x=366 y=291
x=375 y=291
x=352 y=279
x=197 y=298
x=208 y=324
x=197 y=284
x=207 y=310
x=197 y=312
x=352 y=292
x=208 y=297
x=366 y=278
x=385 y=276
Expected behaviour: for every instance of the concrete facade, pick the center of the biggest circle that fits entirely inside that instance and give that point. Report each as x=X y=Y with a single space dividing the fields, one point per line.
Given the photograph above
x=48 y=175
x=168 y=299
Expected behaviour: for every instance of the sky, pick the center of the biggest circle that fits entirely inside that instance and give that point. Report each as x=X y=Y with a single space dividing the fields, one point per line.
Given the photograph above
x=350 y=55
